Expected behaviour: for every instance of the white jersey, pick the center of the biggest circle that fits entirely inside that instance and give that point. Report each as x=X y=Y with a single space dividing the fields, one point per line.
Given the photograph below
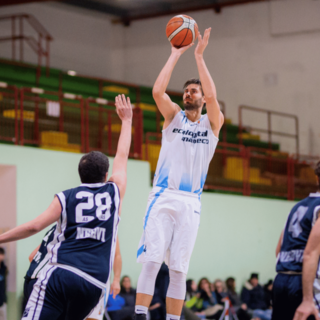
x=186 y=151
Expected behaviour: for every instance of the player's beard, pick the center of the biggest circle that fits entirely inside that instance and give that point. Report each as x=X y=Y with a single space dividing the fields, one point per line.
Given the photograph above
x=194 y=105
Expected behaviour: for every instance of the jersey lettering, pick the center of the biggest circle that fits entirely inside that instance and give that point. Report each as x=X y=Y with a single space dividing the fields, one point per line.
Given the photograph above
x=294 y=226
x=102 y=210
x=291 y=256
x=84 y=206
x=96 y=233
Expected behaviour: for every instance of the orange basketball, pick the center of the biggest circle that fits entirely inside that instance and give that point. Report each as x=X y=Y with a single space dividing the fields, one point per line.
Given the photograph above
x=181 y=30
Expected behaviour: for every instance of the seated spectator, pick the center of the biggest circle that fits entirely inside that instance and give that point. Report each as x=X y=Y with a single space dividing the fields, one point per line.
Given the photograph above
x=253 y=296
x=268 y=293
x=220 y=292
x=192 y=296
x=129 y=295
x=127 y=292
x=239 y=307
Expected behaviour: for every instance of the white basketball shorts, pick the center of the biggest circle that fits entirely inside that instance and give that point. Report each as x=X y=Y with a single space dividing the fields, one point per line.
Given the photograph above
x=170 y=227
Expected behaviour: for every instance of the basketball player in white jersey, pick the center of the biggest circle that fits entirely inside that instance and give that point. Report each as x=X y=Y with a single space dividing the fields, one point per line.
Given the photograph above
x=172 y=218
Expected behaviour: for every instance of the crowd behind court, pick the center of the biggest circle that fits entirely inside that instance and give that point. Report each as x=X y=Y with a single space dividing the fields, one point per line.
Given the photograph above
x=204 y=300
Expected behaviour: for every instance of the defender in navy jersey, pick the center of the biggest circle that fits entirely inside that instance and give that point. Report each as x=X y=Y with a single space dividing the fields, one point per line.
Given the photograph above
x=172 y=218
x=287 y=287
x=82 y=252
x=311 y=271
x=38 y=261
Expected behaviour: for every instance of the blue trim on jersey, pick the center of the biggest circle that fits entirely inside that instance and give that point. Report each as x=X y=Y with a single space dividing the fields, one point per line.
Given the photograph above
x=185 y=183
x=163 y=176
x=157 y=195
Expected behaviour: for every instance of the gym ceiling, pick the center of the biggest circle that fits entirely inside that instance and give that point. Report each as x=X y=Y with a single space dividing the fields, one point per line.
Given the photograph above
x=126 y=11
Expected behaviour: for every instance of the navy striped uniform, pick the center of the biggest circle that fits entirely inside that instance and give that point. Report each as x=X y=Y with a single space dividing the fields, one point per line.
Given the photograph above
x=39 y=262
x=287 y=287
x=80 y=256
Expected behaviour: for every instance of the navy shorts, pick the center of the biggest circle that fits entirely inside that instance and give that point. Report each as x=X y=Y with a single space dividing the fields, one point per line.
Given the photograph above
x=287 y=296
x=59 y=293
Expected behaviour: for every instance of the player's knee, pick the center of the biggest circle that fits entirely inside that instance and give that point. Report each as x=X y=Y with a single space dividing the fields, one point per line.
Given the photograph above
x=177 y=285
x=148 y=277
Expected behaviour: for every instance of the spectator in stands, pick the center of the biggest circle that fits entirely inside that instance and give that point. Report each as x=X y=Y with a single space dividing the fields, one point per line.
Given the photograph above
x=239 y=307
x=253 y=296
x=220 y=292
x=192 y=297
x=129 y=295
x=3 y=276
x=268 y=293
x=205 y=294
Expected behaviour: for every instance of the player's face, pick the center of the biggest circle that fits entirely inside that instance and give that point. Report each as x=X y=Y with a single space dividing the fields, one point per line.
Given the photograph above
x=192 y=97
x=1 y=257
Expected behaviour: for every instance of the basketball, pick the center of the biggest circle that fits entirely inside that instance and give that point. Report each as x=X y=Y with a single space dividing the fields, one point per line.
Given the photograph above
x=181 y=30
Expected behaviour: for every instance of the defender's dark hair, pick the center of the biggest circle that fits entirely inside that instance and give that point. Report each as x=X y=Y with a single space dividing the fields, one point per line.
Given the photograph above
x=317 y=172
x=93 y=167
x=2 y=251
x=193 y=81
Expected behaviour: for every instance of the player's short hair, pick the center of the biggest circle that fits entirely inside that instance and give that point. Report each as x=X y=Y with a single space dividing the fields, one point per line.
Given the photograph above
x=93 y=167
x=2 y=251
x=317 y=172
x=193 y=81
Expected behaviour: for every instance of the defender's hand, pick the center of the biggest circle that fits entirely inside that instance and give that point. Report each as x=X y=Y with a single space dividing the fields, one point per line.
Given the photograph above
x=115 y=288
x=306 y=309
x=202 y=42
x=123 y=107
x=181 y=50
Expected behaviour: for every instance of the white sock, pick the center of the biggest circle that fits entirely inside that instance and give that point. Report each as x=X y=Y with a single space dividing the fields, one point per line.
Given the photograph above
x=172 y=317
x=140 y=309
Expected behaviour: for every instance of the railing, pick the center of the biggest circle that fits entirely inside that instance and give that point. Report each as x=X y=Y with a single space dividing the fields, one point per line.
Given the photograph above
x=269 y=129
x=250 y=171
x=51 y=120
x=103 y=128
x=9 y=126
x=65 y=122
x=40 y=46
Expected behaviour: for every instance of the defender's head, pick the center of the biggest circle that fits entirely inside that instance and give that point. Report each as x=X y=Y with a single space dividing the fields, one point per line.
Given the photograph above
x=93 y=167
x=193 y=97
x=317 y=172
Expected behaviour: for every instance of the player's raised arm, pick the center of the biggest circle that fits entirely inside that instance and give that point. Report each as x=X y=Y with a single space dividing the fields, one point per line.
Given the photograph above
x=209 y=89
x=167 y=108
x=28 y=229
x=310 y=264
x=119 y=169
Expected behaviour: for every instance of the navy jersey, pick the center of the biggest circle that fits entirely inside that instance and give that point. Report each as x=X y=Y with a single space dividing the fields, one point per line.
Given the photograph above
x=296 y=233
x=85 y=238
x=41 y=258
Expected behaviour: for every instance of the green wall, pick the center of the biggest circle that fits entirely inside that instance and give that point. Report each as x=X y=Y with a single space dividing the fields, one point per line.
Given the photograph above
x=237 y=235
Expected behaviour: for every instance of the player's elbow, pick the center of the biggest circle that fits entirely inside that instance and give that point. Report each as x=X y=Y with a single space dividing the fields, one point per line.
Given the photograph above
x=34 y=227
x=156 y=93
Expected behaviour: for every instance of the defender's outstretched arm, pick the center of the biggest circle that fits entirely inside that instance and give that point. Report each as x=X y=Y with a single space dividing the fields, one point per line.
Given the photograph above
x=28 y=229
x=167 y=108
x=310 y=265
x=119 y=169
x=209 y=89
